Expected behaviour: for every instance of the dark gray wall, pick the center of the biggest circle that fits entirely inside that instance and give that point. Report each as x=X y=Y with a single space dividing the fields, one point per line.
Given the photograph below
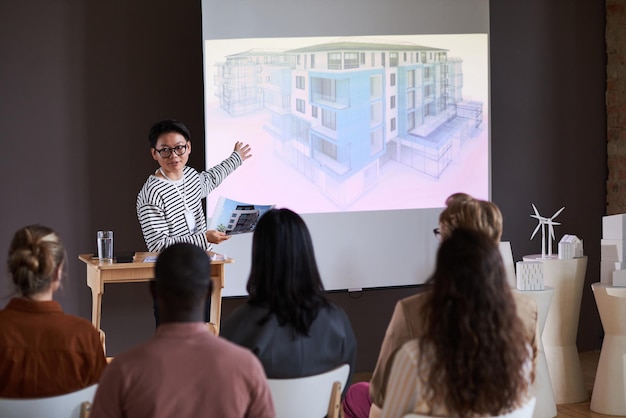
x=81 y=83
x=548 y=72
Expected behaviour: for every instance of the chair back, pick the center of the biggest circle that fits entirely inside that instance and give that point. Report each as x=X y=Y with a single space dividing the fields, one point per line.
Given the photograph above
x=310 y=397
x=69 y=405
x=524 y=411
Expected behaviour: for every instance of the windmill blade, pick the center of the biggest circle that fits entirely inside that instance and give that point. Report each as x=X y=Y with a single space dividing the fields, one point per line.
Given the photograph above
x=536 y=230
x=535 y=209
x=557 y=212
x=540 y=218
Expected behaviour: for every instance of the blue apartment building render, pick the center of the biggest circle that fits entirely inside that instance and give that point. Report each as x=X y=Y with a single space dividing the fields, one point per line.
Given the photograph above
x=341 y=110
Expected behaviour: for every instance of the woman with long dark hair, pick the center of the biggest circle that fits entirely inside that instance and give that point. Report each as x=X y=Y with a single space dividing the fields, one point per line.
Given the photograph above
x=365 y=399
x=288 y=322
x=472 y=357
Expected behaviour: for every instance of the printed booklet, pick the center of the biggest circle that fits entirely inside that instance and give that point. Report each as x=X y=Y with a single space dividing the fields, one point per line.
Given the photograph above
x=233 y=217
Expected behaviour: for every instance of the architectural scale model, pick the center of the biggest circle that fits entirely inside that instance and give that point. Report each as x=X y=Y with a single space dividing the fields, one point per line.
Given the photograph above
x=543 y=221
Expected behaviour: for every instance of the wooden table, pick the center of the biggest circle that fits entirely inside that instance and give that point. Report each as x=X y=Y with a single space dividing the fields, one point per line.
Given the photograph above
x=99 y=273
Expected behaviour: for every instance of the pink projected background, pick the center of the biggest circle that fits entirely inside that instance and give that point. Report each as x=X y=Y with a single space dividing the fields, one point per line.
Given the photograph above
x=310 y=153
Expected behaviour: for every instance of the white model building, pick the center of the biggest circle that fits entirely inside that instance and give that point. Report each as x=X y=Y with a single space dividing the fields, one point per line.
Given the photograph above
x=612 y=255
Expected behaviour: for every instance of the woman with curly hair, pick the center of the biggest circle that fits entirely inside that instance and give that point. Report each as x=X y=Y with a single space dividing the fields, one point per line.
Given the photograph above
x=365 y=399
x=472 y=357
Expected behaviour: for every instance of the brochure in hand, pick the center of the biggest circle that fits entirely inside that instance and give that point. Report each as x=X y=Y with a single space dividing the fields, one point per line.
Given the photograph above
x=233 y=217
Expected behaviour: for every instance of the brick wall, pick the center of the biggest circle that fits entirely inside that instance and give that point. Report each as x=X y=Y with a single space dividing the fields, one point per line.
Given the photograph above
x=616 y=105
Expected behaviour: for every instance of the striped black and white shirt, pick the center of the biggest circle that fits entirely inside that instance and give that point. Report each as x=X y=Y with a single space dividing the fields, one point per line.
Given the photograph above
x=161 y=205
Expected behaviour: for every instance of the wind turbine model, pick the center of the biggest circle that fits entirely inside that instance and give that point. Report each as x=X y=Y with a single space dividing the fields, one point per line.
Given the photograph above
x=543 y=221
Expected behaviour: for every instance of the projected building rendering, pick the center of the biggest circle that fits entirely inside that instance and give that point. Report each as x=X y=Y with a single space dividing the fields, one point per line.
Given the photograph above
x=338 y=111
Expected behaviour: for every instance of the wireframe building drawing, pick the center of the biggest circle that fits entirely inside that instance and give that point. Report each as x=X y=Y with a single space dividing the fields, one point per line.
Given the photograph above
x=339 y=111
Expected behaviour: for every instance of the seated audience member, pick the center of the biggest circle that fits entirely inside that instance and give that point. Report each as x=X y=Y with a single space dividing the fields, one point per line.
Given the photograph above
x=364 y=399
x=288 y=322
x=471 y=357
x=184 y=370
x=44 y=351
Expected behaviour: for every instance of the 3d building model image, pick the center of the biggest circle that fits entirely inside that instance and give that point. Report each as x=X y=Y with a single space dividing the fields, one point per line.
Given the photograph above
x=339 y=110
x=243 y=219
x=234 y=217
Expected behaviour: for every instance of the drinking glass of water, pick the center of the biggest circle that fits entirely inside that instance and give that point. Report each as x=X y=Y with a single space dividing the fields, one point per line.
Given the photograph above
x=105 y=246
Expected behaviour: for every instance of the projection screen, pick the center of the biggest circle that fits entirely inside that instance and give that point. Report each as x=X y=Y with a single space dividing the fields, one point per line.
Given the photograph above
x=362 y=115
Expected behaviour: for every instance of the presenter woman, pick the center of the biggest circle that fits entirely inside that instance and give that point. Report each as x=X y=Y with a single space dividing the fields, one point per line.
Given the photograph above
x=288 y=322
x=44 y=351
x=169 y=204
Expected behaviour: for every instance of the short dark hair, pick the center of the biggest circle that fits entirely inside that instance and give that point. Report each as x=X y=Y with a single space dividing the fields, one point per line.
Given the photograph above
x=283 y=276
x=183 y=272
x=166 y=126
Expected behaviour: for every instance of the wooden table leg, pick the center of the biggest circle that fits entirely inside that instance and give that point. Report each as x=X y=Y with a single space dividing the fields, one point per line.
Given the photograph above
x=94 y=281
x=217 y=275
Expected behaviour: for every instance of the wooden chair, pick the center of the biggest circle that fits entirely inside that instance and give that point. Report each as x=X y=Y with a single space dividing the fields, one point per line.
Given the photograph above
x=212 y=328
x=71 y=405
x=103 y=339
x=310 y=397
x=525 y=411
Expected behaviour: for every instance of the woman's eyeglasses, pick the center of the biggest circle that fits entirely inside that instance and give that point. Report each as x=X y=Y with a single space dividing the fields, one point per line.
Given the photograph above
x=167 y=152
x=437 y=232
